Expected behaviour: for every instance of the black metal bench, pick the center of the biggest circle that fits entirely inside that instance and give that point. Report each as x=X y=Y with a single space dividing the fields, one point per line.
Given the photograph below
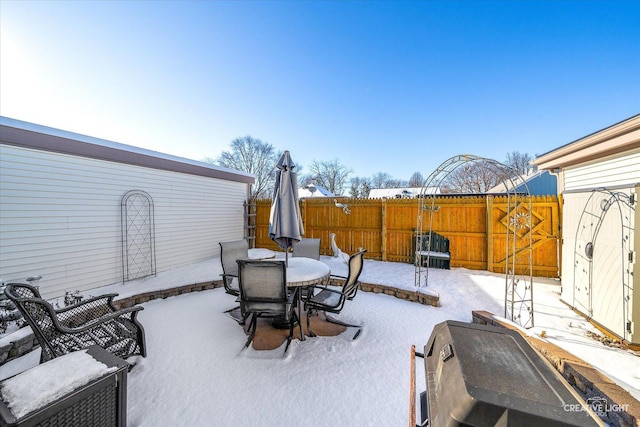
x=433 y=250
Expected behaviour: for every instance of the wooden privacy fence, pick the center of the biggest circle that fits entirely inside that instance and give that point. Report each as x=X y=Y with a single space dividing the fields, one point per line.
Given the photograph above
x=476 y=227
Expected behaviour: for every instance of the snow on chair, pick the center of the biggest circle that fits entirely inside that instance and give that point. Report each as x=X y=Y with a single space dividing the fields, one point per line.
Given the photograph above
x=94 y=321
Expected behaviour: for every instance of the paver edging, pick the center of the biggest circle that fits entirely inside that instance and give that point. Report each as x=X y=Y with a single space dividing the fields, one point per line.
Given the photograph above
x=28 y=342
x=23 y=346
x=404 y=294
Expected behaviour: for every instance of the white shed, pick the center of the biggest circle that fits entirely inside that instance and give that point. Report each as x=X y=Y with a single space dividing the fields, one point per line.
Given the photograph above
x=85 y=212
x=599 y=180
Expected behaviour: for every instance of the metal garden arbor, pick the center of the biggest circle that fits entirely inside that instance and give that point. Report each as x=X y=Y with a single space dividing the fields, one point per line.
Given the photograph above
x=518 y=297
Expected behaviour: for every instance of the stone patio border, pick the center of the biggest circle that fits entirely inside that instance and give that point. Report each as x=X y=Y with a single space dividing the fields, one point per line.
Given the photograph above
x=27 y=341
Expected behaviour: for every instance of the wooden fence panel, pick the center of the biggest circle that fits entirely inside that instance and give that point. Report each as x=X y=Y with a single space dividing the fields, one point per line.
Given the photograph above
x=545 y=229
x=360 y=228
x=463 y=221
x=400 y=222
x=474 y=225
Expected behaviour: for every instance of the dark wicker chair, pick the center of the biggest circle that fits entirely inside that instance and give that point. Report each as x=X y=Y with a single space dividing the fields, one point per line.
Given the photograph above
x=307 y=247
x=94 y=321
x=99 y=402
x=263 y=293
x=332 y=300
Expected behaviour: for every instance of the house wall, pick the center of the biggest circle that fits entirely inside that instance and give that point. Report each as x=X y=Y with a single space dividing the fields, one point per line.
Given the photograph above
x=611 y=172
x=573 y=204
x=635 y=271
x=603 y=287
x=60 y=217
x=541 y=185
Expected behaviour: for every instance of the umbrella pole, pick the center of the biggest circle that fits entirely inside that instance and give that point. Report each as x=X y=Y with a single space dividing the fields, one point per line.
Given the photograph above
x=286 y=257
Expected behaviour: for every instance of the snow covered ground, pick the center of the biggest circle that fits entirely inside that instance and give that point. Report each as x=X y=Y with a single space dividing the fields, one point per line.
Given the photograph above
x=197 y=374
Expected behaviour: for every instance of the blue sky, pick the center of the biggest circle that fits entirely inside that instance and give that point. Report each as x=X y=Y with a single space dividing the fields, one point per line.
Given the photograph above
x=382 y=86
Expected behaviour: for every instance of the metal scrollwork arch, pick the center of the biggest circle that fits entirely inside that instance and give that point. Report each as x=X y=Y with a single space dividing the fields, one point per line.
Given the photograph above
x=518 y=277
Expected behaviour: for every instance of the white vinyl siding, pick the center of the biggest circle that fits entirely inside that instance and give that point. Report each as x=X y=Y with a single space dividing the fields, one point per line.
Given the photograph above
x=613 y=172
x=60 y=217
x=604 y=299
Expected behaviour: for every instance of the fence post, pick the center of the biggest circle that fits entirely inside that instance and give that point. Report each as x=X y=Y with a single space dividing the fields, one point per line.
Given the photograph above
x=558 y=220
x=489 y=229
x=304 y=214
x=383 y=213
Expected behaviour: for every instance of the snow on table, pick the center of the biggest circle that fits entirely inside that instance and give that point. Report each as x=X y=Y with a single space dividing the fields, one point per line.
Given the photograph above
x=305 y=271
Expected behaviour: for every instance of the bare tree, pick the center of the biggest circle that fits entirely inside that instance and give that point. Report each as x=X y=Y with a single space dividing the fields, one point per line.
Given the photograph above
x=360 y=187
x=473 y=177
x=416 y=180
x=254 y=156
x=332 y=175
x=520 y=162
x=304 y=180
x=384 y=180
x=381 y=180
x=396 y=183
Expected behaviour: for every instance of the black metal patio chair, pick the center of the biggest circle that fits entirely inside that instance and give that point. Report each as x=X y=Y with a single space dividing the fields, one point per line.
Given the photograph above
x=307 y=247
x=230 y=252
x=331 y=300
x=94 y=321
x=263 y=293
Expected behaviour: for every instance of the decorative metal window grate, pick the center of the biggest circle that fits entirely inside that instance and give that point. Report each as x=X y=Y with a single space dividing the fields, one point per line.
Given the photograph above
x=138 y=235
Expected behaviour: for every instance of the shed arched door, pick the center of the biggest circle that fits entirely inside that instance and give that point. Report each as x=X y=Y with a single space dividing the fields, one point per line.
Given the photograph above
x=601 y=263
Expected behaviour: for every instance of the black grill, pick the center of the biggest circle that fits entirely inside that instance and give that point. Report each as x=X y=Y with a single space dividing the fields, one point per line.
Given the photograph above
x=481 y=375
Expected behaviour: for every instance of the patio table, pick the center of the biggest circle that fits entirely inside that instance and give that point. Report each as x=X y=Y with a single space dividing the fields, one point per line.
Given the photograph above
x=303 y=272
x=261 y=253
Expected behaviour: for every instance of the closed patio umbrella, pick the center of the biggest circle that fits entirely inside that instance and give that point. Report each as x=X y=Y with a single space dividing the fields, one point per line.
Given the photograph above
x=285 y=221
